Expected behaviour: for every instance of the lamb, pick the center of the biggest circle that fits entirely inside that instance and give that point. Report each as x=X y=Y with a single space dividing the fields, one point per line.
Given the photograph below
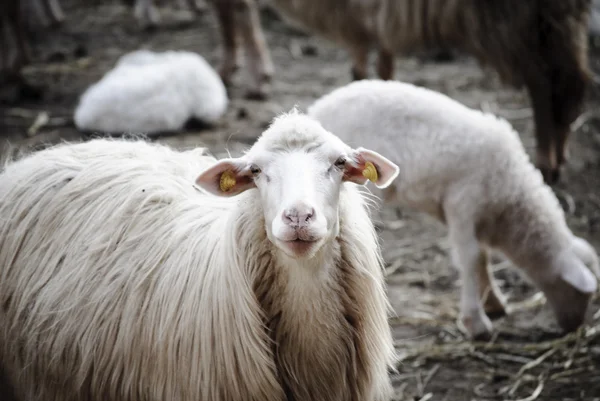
x=469 y=170
x=244 y=287
x=150 y=92
x=539 y=44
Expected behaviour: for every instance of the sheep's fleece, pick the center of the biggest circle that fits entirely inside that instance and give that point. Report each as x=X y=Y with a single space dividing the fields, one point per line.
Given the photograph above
x=121 y=280
x=149 y=92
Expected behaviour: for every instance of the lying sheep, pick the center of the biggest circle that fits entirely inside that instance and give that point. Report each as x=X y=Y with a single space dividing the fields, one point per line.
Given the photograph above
x=539 y=44
x=470 y=171
x=121 y=280
x=153 y=92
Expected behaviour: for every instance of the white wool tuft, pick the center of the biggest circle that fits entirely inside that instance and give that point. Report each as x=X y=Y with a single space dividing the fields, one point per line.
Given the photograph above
x=150 y=92
x=470 y=170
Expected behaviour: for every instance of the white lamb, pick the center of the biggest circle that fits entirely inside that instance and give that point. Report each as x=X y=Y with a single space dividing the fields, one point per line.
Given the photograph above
x=121 y=280
x=149 y=92
x=469 y=170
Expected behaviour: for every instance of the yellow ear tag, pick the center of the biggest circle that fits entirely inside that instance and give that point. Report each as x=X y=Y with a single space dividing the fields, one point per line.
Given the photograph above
x=227 y=181
x=370 y=172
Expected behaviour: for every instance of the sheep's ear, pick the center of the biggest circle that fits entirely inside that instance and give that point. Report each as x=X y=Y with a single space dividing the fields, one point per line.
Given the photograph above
x=366 y=165
x=580 y=277
x=227 y=177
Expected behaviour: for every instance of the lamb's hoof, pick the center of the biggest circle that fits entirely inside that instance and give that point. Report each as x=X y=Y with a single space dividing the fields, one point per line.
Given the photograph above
x=495 y=314
x=494 y=308
x=478 y=329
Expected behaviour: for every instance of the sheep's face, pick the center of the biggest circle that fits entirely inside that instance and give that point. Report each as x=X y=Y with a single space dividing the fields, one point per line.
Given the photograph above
x=299 y=174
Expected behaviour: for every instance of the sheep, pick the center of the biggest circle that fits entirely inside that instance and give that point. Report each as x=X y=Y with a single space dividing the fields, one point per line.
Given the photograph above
x=539 y=44
x=131 y=271
x=470 y=171
x=150 y=92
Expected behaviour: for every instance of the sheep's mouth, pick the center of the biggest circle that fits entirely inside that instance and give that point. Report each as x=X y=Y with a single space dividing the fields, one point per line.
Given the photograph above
x=300 y=246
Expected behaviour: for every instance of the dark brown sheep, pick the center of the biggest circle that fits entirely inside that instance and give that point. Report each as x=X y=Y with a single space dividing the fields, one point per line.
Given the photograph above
x=537 y=44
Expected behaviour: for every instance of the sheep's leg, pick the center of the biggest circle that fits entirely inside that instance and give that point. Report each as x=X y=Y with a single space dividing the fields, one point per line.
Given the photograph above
x=255 y=44
x=146 y=13
x=385 y=64
x=4 y=52
x=469 y=258
x=360 y=58
x=231 y=55
x=562 y=150
x=54 y=10
x=15 y=18
x=541 y=99
x=489 y=293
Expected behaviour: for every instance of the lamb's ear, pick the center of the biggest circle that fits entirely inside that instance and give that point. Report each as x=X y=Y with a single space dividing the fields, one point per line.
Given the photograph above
x=227 y=177
x=580 y=277
x=366 y=165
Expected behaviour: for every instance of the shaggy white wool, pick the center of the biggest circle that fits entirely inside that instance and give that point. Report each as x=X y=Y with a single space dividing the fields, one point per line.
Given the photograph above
x=150 y=92
x=470 y=170
x=121 y=280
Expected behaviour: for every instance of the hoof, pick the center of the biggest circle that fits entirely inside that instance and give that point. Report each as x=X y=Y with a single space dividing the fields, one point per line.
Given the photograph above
x=357 y=75
x=494 y=307
x=496 y=314
x=262 y=90
x=227 y=72
x=478 y=329
x=257 y=94
x=551 y=175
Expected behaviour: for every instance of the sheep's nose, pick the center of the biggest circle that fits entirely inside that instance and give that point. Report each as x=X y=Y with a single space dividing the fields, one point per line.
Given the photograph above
x=299 y=215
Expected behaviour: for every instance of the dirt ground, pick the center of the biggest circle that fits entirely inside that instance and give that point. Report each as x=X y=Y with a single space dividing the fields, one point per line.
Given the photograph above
x=527 y=359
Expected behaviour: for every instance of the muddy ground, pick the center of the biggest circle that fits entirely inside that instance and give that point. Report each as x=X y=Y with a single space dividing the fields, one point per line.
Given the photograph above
x=527 y=359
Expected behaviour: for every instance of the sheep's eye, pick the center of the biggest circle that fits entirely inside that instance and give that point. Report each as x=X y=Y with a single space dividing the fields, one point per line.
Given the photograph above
x=254 y=169
x=340 y=163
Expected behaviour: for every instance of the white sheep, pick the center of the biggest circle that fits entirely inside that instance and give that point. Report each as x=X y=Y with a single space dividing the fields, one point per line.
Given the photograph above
x=150 y=92
x=122 y=280
x=469 y=170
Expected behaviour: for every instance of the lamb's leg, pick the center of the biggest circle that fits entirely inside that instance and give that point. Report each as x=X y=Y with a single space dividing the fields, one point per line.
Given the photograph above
x=231 y=55
x=385 y=64
x=469 y=257
x=360 y=58
x=257 y=51
x=491 y=296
